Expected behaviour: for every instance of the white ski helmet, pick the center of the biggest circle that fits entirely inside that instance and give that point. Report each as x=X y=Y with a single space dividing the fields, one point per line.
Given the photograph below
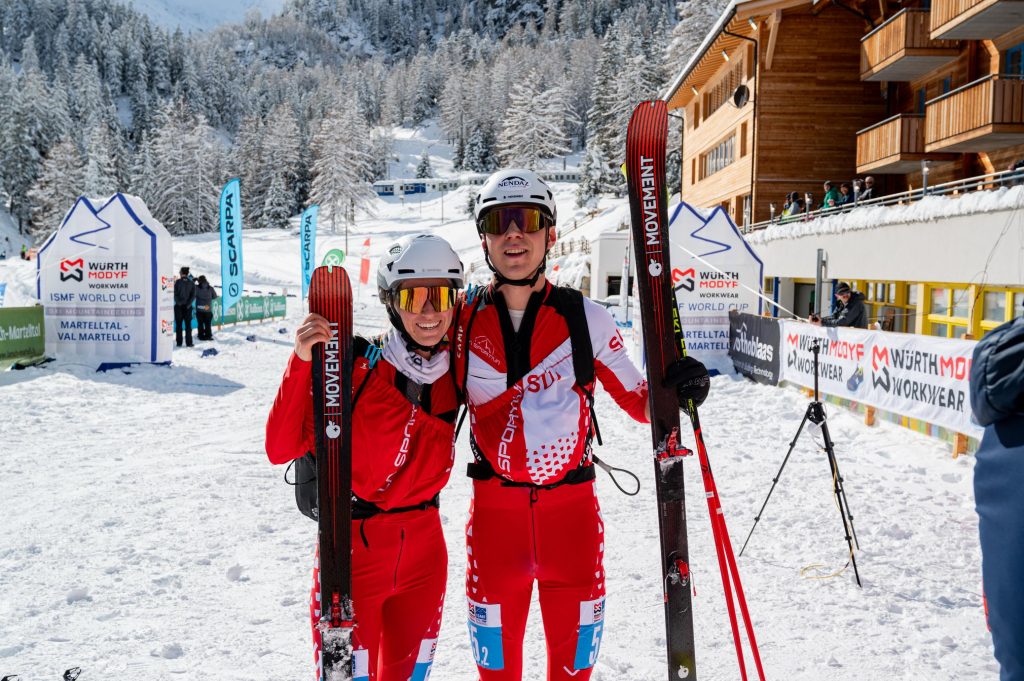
x=514 y=186
x=420 y=256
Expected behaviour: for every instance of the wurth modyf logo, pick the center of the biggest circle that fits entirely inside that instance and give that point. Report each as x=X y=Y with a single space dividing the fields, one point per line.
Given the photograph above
x=71 y=269
x=684 y=279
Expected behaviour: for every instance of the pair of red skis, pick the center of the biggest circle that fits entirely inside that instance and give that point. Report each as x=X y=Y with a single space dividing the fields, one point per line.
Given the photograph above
x=663 y=344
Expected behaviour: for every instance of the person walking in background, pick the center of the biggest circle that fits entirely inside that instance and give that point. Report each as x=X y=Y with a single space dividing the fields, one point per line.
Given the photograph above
x=184 y=296
x=997 y=399
x=851 y=310
x=204 y=308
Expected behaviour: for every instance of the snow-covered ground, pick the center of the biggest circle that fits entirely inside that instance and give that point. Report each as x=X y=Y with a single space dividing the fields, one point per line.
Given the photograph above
x=147 y=536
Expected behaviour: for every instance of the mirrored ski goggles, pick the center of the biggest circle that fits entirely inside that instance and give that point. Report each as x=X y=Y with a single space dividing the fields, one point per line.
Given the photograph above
x=442 y=298
x=528 y=219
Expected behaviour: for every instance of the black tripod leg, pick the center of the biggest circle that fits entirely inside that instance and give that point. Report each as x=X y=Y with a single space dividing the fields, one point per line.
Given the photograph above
x=841 y=501
x=775 y=480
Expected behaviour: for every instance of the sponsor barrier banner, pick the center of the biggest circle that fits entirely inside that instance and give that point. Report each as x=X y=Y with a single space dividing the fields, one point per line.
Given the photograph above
x=231 y=273
x=251 y=309
x=307 y=240
x=21 y=334
x=916 y=376
x=104 y=280
x=923 y=377
x=3 y=292
x=754 y=346
x=713 y=271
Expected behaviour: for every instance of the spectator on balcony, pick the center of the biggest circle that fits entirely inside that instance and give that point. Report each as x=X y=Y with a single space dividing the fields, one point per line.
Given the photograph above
x=1017 y=168
x=793 y=206
x=867 y=192
x=831 y=197
x=845 y=194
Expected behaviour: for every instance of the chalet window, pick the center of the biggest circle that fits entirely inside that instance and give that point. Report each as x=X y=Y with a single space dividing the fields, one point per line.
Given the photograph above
x=719 y=157
x=920 y=97
x=947 y=84
x=722 y=91
x=1013 y=61
x=743 y=140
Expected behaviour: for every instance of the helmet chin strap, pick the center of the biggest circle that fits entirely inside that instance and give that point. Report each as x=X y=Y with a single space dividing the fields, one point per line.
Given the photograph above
x=396 y=321
x=527 y=281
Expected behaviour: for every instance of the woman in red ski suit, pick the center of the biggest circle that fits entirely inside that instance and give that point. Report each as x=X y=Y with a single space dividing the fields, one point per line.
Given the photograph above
x=535 y=513
x=403 y=415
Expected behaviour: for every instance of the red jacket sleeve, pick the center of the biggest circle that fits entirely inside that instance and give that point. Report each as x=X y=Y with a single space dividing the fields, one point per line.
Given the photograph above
x=618 y=376
x=290 y=424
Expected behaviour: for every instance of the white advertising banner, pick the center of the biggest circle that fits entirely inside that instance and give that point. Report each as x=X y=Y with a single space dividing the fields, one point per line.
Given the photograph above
x=713 y=271
x=106 y=284
x=916 y=376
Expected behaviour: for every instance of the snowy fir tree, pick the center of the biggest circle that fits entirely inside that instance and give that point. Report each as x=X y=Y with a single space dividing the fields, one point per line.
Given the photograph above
x=57 y=187
x=423 y=169
x=277 y=206
x=341 y=167
x=533 y=124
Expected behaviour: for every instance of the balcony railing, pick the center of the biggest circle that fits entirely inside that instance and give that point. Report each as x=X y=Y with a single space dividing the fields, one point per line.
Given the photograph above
x=895 y=145
x=975 y=19
x=901 y=49
x=985 y=115
x=953 y=189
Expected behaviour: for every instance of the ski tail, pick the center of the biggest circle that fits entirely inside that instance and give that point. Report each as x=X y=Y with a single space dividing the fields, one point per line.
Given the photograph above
x=330 y=295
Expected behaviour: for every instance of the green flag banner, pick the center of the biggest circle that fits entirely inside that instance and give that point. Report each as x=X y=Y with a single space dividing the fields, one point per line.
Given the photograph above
x=335 y=256
x=251 y=309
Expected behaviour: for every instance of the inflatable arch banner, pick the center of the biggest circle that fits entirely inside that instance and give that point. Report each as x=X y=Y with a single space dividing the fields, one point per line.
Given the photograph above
x=714 y=271
x=106 y=284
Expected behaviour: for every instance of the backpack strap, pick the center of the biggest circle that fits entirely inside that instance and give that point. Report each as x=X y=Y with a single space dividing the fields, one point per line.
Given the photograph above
x=569 y=304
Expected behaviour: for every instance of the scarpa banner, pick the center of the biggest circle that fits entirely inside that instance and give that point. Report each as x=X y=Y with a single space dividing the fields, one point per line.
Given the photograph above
x=21 y=334
x=916 y=376
x=105 y=281
x=754 y=346
x=713 y=271
x=307 y=241
x=231 y=274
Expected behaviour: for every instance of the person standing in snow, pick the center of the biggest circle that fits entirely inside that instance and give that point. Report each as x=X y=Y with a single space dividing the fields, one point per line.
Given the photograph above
x=403 y=423
x=851 y=312
x=184 y=296
x=535 y=513
x=997 y=399
x=204 y=308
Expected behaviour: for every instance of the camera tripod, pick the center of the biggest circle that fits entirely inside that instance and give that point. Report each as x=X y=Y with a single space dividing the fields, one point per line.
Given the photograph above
x=816 y=414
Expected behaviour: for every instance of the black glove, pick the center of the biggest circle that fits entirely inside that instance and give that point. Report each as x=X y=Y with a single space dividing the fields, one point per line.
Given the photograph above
x=690 y=379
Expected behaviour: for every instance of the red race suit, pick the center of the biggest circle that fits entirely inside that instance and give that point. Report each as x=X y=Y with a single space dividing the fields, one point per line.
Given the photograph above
x=535 y=514
x=402 y=454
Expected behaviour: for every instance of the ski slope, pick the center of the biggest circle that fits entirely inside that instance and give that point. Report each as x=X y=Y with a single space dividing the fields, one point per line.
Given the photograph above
x=146 y=535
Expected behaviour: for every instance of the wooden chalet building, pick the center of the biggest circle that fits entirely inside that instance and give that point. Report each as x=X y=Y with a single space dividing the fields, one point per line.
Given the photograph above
x=784 y=94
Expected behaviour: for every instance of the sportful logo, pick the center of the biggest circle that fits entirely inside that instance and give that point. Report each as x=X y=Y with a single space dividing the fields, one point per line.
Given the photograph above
x=71 y=269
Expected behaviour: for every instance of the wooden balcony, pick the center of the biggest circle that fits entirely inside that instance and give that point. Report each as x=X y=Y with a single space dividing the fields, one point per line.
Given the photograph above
x=895 y=145
x=982 y=116
x=975 y=19
x=901 y=49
